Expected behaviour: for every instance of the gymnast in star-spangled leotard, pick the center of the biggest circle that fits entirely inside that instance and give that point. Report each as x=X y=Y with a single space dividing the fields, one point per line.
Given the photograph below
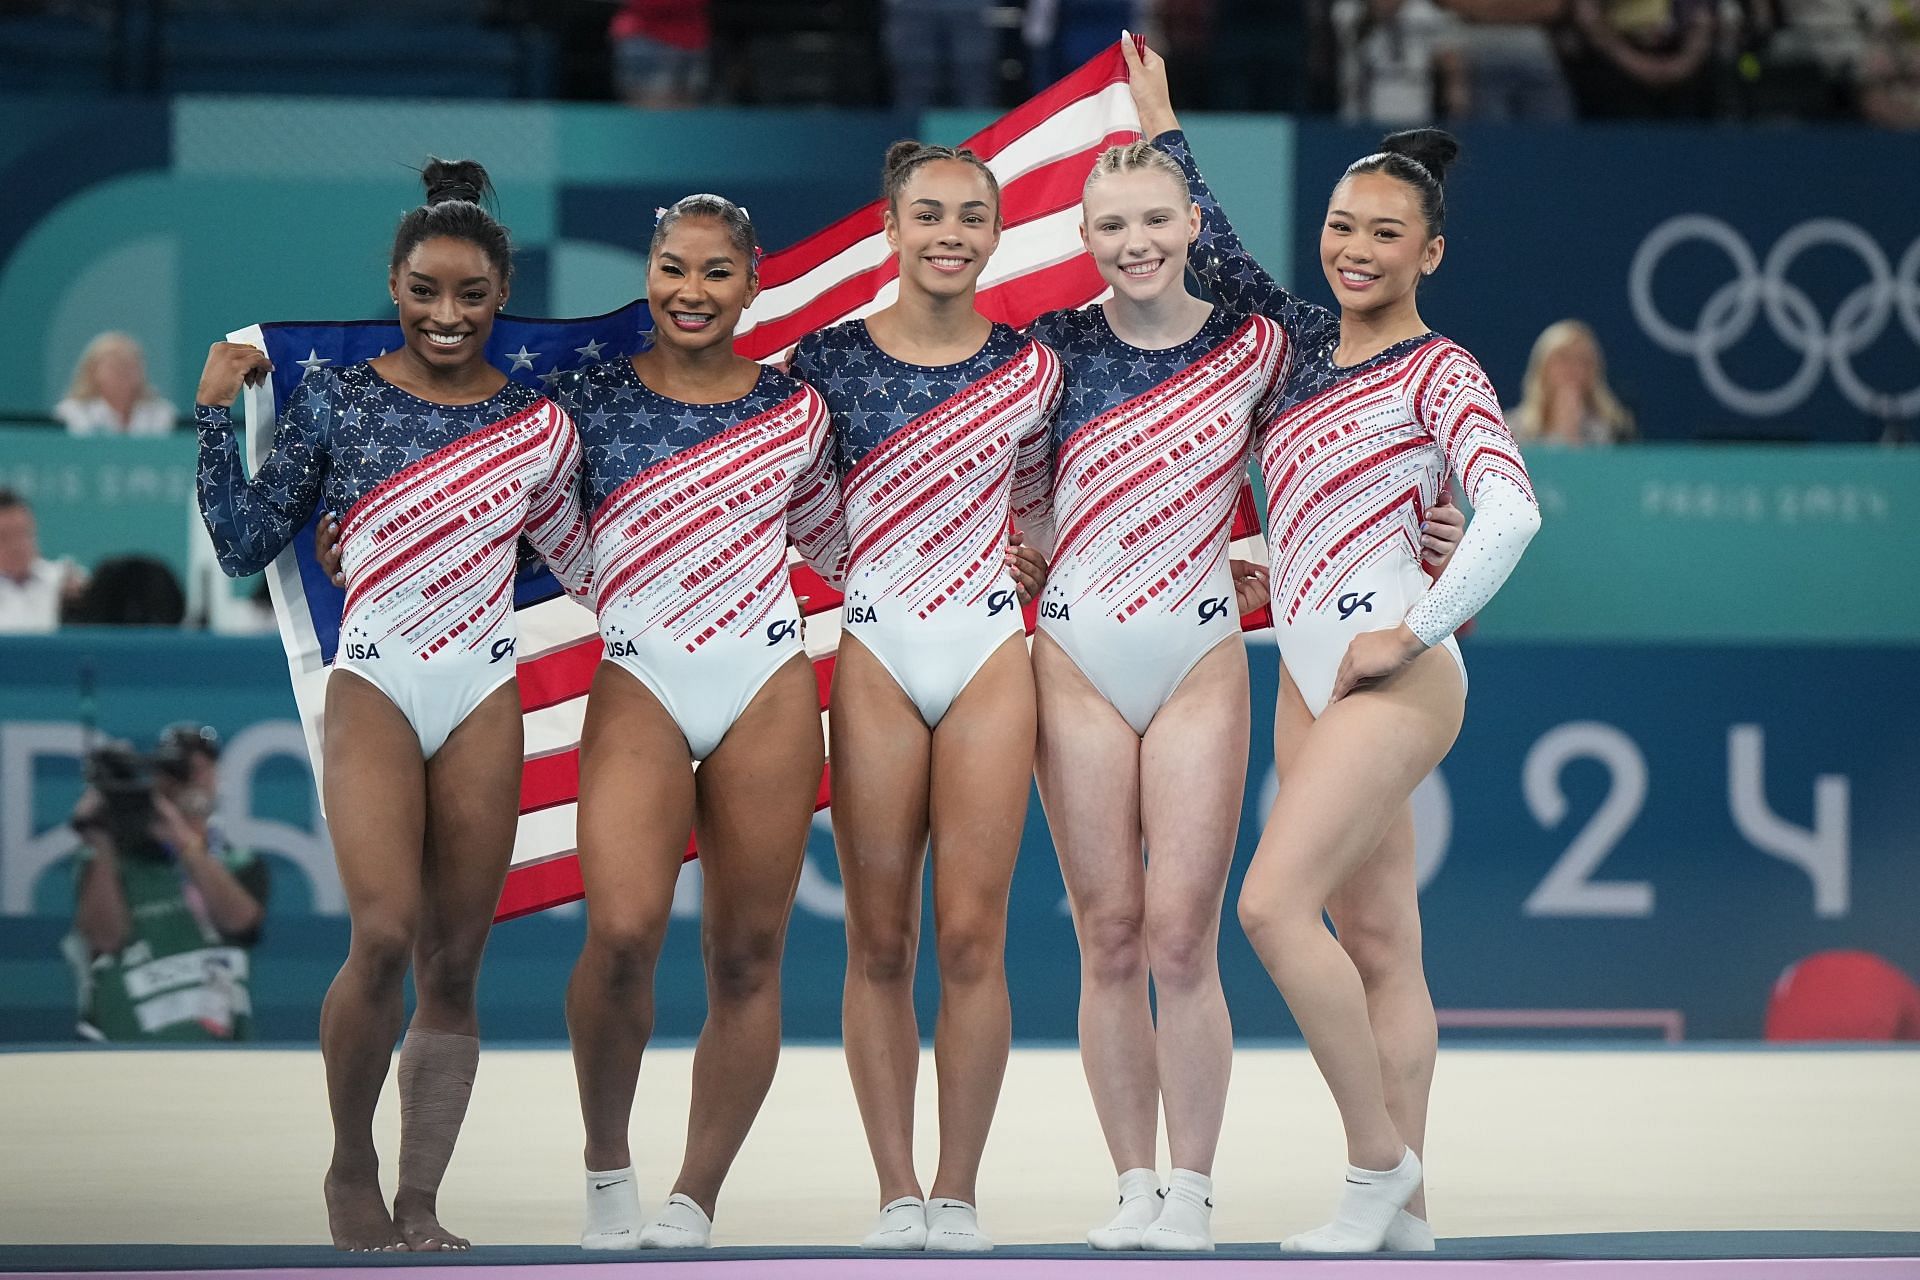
x=701 y=465
x=437 y=464
x=1142 y=680
x=941 y=425
x=1376 y=410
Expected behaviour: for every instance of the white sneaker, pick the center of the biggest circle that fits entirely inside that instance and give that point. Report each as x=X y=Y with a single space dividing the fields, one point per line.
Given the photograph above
x=902 y=1226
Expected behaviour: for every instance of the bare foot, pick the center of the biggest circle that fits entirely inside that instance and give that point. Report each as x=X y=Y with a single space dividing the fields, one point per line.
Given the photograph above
x=357 y=1214
x=418 y=1223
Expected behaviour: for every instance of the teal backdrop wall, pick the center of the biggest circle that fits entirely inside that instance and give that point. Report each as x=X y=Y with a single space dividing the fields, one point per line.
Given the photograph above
x=1689 y=760
x=1690 y=746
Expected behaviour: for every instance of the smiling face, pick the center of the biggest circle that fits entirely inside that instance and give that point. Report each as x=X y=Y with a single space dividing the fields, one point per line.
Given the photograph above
x=1374 y=245
x=698 y=283
x=1137 y=224
x=943 y=225
x=448 y=294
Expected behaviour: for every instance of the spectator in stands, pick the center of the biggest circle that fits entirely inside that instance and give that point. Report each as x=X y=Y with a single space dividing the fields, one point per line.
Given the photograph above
x=166 y=909
x=1889 y=76
x=1512 y=71
x=1642 y=58
x=1062 y=34
x=110 y=394
x=1565 y=399
x=33 y=589
x=130 y=591
x=1400 y=60
x=942 y=53
x=661 y=52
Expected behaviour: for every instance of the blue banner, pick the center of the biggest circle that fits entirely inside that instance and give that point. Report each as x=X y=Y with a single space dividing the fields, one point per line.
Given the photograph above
x=1630 y=839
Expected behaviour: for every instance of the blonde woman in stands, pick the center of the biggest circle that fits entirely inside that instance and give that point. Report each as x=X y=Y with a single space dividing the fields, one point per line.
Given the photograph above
x=1565 y=399
x=111 y=396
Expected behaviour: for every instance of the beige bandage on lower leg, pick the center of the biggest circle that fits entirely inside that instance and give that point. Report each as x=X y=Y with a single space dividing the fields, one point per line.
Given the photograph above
x=436 y=1079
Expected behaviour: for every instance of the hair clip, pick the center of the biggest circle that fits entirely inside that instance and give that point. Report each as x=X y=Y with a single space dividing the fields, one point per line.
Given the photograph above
x=758 y=253
x=659 y=214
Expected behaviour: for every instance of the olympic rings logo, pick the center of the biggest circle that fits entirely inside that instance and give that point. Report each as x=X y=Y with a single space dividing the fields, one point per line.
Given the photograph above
x=1763 y=288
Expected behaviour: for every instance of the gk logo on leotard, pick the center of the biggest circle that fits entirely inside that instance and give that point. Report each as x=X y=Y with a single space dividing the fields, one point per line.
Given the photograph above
x=1352 y=602
x=1000 y=602
x=785 y=629
x=502 y=648
x=1211 y=609
x=359 y=651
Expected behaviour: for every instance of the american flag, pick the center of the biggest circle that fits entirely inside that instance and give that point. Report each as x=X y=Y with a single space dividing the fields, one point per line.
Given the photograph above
x=1041 y=152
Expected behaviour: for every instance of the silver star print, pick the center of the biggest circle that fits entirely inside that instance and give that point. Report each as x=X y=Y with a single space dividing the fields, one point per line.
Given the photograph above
x=592 y=350
x=522 y=359
x=313 y=361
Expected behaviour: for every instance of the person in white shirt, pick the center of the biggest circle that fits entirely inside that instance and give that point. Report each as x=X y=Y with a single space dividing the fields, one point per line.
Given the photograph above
x=110 y=394
x=31 y=587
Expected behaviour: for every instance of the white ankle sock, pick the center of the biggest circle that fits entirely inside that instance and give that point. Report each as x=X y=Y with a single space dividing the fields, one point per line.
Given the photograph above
x=680 y=1224
x=1367 y=1208
x=1139 y=1206
x=902 y=1226
x=1408 y=1234
x=1185 y=1224
x=613 y=1210
x=953 y=1226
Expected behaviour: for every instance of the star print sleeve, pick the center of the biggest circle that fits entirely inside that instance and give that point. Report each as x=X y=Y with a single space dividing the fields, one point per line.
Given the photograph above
x=802 y=360
x=816 y=518
x=1222 y=261
x=252 y=521
x=556 y=519
x=1455 y=402
x=1033 y=461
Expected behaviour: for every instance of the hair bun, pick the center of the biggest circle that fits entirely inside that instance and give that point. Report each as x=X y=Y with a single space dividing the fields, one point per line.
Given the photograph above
x=1432 y=149
x=455 y=180
x=899 y=153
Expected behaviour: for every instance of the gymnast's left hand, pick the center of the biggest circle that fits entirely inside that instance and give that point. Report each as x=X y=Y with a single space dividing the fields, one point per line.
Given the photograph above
x=1250 y=588
x=1372 y=656
x=326 y=548
x=1028 y=567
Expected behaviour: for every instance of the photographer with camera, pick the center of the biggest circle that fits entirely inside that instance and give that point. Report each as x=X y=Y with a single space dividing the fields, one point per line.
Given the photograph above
x=166 y=909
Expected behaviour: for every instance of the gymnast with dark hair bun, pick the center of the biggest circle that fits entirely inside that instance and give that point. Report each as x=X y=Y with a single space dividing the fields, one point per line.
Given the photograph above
x=1375 y=412
x=941 y=423
x=436 y=465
